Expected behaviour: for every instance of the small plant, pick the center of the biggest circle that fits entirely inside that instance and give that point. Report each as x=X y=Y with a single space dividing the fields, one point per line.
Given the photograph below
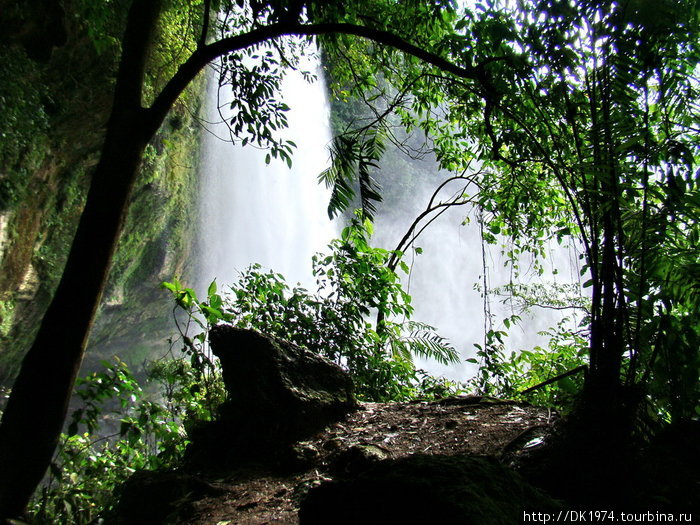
x=509 y=375
x=565 y=352
x=115 y=432
x=191 y=389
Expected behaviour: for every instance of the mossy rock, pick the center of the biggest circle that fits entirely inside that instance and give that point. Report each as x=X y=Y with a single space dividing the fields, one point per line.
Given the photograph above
x=278 y=393
x=427 y=489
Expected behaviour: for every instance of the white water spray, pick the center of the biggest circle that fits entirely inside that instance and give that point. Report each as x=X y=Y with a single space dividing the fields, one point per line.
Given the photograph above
x=443 y=277
x=253 y=212
x=256 y=213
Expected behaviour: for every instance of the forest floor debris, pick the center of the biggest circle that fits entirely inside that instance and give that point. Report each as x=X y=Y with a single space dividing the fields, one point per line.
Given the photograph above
x=459 y=425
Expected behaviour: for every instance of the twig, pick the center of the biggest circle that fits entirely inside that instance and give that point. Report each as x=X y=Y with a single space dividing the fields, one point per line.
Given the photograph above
x=555 y=379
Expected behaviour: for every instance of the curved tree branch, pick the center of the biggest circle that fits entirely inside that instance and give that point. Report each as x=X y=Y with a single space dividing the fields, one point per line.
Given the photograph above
x=206 y=54
x=457 y=200
x=410 y=233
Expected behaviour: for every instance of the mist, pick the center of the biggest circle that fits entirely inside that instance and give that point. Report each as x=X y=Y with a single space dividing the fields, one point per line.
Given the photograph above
x=252 y=212
x=446 y=279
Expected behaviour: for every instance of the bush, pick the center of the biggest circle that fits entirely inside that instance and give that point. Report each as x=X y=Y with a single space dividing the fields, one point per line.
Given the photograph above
x=353 y=282
x=115 y=432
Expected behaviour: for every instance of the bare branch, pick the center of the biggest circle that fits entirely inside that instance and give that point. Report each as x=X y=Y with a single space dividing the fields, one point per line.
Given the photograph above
x=457 y=200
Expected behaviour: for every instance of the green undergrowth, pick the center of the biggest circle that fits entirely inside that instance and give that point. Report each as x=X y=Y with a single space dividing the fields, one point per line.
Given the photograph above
x=353 y=285
x=116 y=430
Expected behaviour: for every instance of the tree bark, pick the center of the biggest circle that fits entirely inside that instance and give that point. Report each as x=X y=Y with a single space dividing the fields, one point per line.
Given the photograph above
x=37 y=407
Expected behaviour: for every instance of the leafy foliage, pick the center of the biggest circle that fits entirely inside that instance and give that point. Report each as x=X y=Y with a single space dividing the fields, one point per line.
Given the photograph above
x=352 y=281
x=584 y=120
x=103 y=21
x=511 y=374
x=591 y=98
x=46 y=158
x=352 y=158
x=115 y=432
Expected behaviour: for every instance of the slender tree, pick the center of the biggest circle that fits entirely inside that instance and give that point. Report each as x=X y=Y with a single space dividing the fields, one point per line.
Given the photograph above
x=598 y=99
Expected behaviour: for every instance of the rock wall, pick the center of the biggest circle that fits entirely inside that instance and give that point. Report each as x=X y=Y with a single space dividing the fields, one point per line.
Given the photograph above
x=53 y=112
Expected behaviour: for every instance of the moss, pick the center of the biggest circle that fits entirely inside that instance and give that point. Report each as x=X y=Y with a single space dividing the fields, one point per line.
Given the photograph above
x=49 y=143
x=23 y=125
x=7 y=310
x=154 y=246
x=58 y=227
x=44 y=177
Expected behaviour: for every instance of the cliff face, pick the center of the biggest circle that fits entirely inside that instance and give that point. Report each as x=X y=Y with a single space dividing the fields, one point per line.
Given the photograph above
x=53 y=111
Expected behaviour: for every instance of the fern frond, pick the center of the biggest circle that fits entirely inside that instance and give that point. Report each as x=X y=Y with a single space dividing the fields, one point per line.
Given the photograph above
x=354 y=156
x=371 y=150
x=424 y=342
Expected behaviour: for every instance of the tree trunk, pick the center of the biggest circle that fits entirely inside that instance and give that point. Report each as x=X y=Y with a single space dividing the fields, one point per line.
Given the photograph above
x=37 y=407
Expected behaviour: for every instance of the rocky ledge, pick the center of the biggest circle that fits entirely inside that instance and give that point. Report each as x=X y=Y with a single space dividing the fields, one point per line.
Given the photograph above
x=292 y=446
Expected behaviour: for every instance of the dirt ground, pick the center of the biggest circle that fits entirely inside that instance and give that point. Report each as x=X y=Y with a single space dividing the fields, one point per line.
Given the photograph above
x=457 y=425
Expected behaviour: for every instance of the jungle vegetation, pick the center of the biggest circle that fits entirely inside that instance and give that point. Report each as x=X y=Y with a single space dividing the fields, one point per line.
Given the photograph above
x=581 y=116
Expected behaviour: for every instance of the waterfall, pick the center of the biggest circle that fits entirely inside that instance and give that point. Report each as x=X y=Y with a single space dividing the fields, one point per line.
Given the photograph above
x=251 y=212
x=443 y=277
x=256 y=213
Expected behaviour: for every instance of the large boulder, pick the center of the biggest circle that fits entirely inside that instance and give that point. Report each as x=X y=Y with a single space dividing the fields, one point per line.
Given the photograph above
x=156 y=497
x=427 y=489
x=278 y=393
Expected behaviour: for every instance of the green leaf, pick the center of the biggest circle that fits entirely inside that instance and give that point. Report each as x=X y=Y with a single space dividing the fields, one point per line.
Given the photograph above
x=173 y=287
x=212 y=288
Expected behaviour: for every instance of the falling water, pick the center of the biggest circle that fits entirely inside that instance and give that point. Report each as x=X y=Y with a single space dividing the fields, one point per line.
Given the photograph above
x=443 y=277
x=267 y=214
x=257 y=213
